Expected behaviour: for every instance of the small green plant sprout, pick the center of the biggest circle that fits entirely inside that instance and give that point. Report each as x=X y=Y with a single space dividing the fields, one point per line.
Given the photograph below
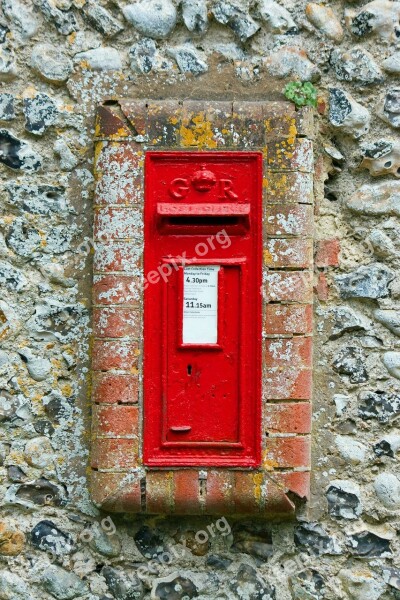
x=302 y=94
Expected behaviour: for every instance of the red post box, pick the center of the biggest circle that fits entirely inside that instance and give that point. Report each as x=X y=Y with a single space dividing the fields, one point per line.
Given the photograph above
x=202 y=309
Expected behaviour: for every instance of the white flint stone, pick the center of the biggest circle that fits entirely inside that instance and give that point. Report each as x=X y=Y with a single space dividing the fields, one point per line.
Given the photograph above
x=350 y=449
x=391 y=360
x=39 y=452
x=389 y=318
x=153 y=18
x=276 y=17
x=324 y=19
x=380 y=18
x=341 y=402
x=51 y=63
x=12 y=587
x=101 y=59
x=387 y=488
x=348 y=115
x=376 y=199
x=25 y=22
x=392 y=63
x=360 y=584
x=291 y=62
x=382 y=244
x=194 y=14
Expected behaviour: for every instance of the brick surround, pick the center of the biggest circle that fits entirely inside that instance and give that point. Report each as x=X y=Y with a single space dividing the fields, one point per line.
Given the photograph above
x=124 y=132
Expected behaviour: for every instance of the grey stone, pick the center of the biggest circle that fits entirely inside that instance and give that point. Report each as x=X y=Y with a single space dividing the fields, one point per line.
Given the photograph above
x=39 y=492
x=174 y=587
x=350 y=361
x=343 y=319
x=17 y=154
x=369 y=281
x=347 y=114
x=313 y=538
x=194 y=14
x=101 y=19
x=390 y=110
x=38 y=199
x=387 y=488
x=188 y=59
x=241 y=23
x=48 y=537
x=389 y=318
x=152 y=18
x=3 y=453
x=367 y=544
x=7 y=111
x=62 y=584
x=64 y=21
x=40 y=113
x=248 y=585
x=392 y=63
x=107 y=545
x=44 y=427
x=38 y=368
x=11 y=277
x=391 y=360
x=101 y=59
x=278 y=20
x=307 y=585
x=12 y=406
x=325 y=20
x=51 y=63
x=3 y=32
x=143 y=55
x=382 y=245
x=380 y=405
x=56 y=321
x=376 y=199
x=291 y=62
x=218 y=562
x=12 y=587
x=392 y=577
x=341 y=402
x=344 y=499
x=122 y=585
x=361 y=585
x=149 y=542
x=68 y=160
x=22 y=18
x=356 y=66
x=8 y=69
x=388 y=445
x=254 y=540
x=57 y=407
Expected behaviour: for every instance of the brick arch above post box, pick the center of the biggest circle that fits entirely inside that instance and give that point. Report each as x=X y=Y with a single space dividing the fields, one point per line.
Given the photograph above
x=125 y=131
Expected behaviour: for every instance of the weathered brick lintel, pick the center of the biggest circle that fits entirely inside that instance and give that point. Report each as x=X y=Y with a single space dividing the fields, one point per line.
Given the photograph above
x=124 y=131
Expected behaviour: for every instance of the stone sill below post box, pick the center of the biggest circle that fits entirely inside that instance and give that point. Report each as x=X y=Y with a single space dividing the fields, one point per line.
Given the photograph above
x=124 y=132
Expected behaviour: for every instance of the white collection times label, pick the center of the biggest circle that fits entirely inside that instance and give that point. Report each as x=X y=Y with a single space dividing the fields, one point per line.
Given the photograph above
x=200 y=304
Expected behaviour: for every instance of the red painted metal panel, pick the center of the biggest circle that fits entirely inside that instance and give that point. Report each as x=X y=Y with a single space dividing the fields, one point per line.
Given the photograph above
x=202 y=309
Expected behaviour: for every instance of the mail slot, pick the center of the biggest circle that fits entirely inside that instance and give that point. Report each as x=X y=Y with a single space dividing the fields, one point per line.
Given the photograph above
x=202 y=309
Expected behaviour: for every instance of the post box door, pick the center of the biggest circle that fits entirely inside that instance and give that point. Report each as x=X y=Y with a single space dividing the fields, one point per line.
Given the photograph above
x=202 y=309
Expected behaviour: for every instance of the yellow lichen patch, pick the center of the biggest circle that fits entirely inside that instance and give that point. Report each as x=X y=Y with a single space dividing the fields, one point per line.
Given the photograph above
x=258 y=479
x=173 y=120
x=71 y=38
x=200 y=135
x=267 y=257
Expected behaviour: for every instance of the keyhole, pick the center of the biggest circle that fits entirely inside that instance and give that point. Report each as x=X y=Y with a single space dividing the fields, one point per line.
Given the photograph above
x=189 y=369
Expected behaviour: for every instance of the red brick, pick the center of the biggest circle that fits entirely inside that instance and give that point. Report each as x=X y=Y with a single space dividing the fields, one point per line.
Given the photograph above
x=246 y=125
x=115 y=388
x=286 y=452
x=289 y=253
x=287 y=384
x=119 y=174
x=219 y=495
x=116 y=322
x=322 y=287
x=297 y=482
x=204 y=124
x=163 y=121
x=291 y=154
x=108 y=355
x=247 y=492
x=293 y=286
x=115 y=420
x=293 y=417
x=288 y=220
x=186 y=492
x=288 y=352
x=136 y=112
x=288 y=187
x=117 y=223
x=117 y=289
x=115 y=454
x=116 y=492
x=280 y=120
x=118 y=256
x=159 y=492
x=288 y=319
x=327 y=253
